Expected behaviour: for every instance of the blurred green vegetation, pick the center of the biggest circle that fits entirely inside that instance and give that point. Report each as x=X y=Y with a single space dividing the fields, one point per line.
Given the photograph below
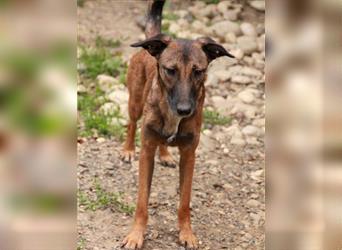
x=103 y=42
x=170 y=16
x=100 y=59
x=95 y=120
x=102 y=199
x=165 y=30
x=214 y=118
x=27 y=101
x=211 y=1
x=40 y=203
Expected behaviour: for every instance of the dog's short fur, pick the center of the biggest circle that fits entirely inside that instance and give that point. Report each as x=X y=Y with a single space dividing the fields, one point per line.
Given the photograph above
x=166 y=84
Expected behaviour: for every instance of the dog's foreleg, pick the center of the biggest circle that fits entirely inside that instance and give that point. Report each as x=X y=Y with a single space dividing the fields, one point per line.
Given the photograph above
x=146 y=166
x=186 y=169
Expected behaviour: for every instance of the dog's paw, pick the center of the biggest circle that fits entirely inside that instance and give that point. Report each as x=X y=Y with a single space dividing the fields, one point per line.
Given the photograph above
x=167 y=161
x=127 y=155
x=188 y=239
x=134 y=240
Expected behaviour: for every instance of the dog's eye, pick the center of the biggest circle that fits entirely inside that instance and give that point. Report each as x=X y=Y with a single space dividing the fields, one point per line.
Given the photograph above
x=170 y=71
x=199 y=72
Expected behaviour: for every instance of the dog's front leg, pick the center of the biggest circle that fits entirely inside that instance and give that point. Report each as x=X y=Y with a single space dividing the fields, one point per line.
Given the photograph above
x=186 y=169
x=146 y=165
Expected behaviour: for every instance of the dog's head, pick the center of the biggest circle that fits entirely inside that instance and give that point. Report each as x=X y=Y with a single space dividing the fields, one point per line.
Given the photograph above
x=182 y=67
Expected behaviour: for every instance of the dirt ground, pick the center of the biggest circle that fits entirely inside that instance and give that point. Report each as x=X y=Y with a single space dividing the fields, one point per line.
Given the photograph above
x=228 y=190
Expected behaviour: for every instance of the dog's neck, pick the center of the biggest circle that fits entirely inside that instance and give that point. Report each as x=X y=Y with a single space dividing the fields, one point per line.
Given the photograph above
x=171 y=120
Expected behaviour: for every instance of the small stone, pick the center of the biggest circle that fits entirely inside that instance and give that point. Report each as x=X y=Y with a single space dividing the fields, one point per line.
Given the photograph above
x=105 y=79
x=241 y=79
x=248 y=29
x=237 y=53
x=230 y=37
x=258 y=5
x=246 y=96
x=218 y=102
x=248 y=44
x=118 y=96
x=250 y=130
x=222 y=28
x=253 y=203
x=222 y=75
x=212 y=80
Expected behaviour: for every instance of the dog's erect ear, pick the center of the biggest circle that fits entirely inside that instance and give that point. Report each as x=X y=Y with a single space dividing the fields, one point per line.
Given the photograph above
x=154 y=45
x=213 y=49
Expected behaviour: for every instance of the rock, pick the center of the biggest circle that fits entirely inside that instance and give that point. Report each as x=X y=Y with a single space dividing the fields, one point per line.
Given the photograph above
x=258 y=5
x=222 y=75
x=231 y=15
x=174 y=28
x=118 y=96
x=197 y=26
x=237 y=141
x=81 y=88
x=106 y=80
x=207 y=144
x=100 y=139
x=241 y=79
x=218 y=102
x=222 y=28
x=212 y=80
x=238 y=53
x=248 y=44
x=230 y=37
x=249 y=71
x=249 y=111
x=222 y=7
x=261 y=42
x=108 y=108
x=207 y=132
x=247 y=96
x=248 y=29
x=250 y=130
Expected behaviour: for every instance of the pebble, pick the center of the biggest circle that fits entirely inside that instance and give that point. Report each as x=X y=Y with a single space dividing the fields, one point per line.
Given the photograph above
x=248 y=44
x=222 y=28
x=241 y=79
x=250 y=130
x=247 y=96
x=248 y=29
x=258 y=5
x=118 y=96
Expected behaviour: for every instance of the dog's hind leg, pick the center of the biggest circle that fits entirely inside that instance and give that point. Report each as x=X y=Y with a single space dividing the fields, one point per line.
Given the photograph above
x=165 y=157
x=135 y=83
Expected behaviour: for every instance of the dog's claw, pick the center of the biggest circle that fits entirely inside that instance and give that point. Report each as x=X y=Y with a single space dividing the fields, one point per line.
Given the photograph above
x=188 y=240
x=167 y=161
x=127 y=155
x=133 y=241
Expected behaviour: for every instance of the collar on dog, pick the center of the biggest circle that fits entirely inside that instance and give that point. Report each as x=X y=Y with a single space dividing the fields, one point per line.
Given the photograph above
x=171 y=138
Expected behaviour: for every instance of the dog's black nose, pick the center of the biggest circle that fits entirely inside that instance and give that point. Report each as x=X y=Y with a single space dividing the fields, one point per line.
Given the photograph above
x=183 y=109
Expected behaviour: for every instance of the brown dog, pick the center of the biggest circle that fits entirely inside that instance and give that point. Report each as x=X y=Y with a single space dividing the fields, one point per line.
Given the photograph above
x=166 y=83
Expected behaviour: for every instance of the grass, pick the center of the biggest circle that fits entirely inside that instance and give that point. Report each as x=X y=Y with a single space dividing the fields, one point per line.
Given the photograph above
x=95 y=119
x=211 y=1
x=101 y=42
x=81 y=243
x=80 y=3
x=165 y=30
x=102 y=199
x=99 y=60
x=170 y=16
x=215 y=118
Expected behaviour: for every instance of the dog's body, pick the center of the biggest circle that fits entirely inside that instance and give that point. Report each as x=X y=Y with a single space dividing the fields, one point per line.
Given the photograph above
x=166 y=85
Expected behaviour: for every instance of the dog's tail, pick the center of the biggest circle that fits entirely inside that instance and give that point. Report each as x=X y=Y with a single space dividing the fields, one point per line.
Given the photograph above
x=154 y=17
